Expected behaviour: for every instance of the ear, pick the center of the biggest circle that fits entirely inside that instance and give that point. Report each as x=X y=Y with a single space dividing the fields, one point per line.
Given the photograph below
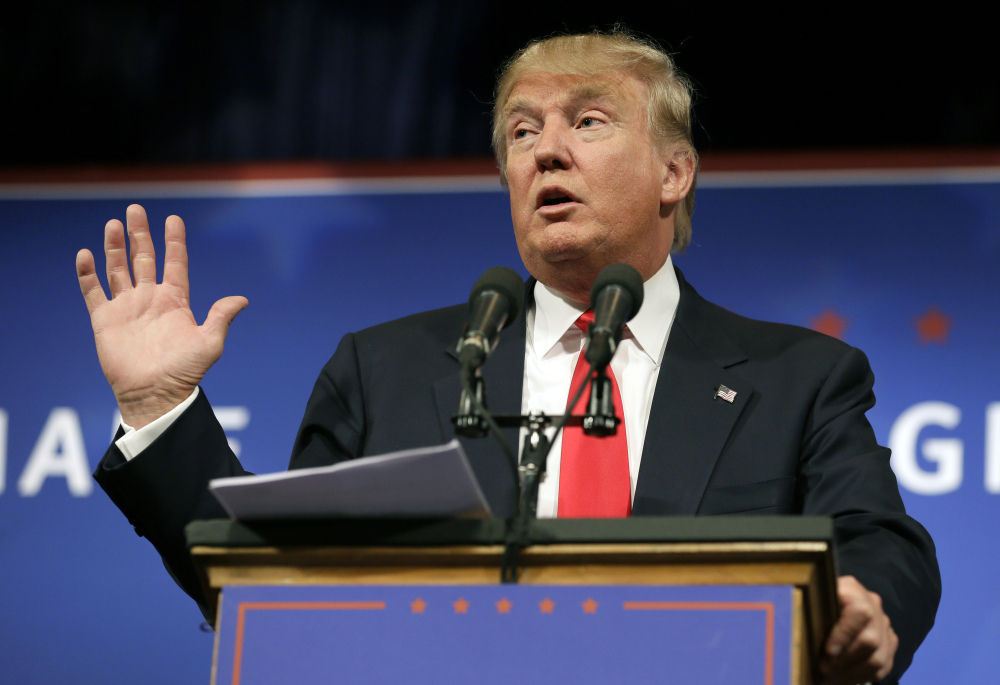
x=678 y=176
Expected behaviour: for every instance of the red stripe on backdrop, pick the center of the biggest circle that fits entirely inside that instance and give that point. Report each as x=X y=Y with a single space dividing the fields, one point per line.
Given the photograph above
x=818 y=160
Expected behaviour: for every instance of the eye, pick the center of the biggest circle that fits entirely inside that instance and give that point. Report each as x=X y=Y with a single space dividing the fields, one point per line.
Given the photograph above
x=586 y=122
x=520 y=133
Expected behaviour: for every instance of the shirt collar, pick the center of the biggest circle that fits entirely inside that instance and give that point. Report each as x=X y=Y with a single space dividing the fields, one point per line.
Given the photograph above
x=555 y=314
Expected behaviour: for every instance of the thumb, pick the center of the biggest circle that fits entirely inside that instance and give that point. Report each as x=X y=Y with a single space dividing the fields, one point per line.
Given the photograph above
x=221 y=315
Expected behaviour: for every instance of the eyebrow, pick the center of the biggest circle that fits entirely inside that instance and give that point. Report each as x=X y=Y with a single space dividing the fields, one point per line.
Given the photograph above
x=579 y=93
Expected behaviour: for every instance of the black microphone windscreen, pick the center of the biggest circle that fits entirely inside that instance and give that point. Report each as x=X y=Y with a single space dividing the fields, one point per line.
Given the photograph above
x=505 y=281
x=621 y=275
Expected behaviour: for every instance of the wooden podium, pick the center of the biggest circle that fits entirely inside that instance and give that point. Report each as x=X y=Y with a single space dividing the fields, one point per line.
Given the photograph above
x=794 y=552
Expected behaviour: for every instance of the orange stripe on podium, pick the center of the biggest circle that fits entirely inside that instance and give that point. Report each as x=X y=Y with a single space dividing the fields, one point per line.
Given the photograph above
x=244 y=607
x=766 y=607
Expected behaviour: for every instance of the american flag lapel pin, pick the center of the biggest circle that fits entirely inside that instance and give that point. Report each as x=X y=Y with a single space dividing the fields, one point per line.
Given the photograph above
x=725 y=393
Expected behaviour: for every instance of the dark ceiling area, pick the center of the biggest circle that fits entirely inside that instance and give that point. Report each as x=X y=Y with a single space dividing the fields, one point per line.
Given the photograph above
x=135 y=83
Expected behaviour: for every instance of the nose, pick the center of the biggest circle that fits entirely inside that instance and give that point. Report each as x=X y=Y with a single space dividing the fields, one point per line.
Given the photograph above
x=552 y=150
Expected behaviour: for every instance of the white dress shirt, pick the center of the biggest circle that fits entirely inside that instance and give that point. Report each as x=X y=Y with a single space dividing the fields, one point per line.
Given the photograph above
x=136 y=440
x=554 y=343
x=553 y=346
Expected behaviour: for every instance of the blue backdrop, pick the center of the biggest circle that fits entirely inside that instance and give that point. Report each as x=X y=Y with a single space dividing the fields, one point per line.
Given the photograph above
x=904 y=268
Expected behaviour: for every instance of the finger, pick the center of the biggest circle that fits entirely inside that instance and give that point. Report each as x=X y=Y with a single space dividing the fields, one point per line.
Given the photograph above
x=175 y=260
x=852 y=676
x=871 y=637
x=875 y=667
x=872 y=648
x=90 y=285
x=869 y=654
x=116 y=258
x=860 y=659
x=889 y=659
x=141 y=245
x=845 y=632
x=856 y=612
x=220 y=317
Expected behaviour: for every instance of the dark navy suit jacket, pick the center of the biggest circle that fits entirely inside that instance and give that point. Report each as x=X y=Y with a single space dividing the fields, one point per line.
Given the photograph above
x=795 y=440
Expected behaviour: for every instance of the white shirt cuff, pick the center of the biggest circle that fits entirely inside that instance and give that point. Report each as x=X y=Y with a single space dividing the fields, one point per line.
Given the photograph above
x=135 y=441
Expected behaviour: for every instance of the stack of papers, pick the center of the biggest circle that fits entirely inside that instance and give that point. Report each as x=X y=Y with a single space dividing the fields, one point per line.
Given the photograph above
x=427 y=482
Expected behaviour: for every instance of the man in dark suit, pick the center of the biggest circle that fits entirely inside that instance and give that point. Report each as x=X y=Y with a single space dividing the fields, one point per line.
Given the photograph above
x=592 y=135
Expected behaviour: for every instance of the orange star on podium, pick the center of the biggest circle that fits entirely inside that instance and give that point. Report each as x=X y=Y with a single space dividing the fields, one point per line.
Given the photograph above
x=418 y=605
x=503 y=606
x=829 y=322
x=933 y=326
x=590 y=606
x=547 y=606
x=461 y=606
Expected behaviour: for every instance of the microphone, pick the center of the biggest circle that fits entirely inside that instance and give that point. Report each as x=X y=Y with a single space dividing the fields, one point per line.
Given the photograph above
x=615 y=298
x=495 y=300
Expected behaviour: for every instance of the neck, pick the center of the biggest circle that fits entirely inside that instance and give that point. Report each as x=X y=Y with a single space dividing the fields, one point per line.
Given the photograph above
x=575 y=284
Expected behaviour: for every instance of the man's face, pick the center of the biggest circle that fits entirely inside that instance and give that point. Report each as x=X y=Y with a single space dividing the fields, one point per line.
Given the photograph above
x=588 y=187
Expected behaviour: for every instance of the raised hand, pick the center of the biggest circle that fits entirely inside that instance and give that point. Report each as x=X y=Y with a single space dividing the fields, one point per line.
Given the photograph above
x=151 y=349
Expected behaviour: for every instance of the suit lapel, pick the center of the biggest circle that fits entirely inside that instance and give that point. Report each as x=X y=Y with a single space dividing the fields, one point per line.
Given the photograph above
x=688 y=424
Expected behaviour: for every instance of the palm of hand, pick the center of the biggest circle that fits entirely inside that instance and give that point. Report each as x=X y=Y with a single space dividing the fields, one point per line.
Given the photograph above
x=167 y=347
x=151 y=349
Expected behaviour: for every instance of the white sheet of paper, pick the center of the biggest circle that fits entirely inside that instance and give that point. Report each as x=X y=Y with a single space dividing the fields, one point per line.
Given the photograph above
x=425 y=482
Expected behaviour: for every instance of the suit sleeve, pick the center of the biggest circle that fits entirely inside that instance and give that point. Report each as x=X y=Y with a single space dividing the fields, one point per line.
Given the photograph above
x=844 y=473
x=166 y=486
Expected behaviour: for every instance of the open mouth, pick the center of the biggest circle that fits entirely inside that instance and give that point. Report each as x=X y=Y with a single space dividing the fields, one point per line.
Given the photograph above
x=552 y=197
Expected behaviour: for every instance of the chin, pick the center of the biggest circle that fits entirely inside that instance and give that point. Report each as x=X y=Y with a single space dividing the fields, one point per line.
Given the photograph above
x=571 y=274
x=559 y=247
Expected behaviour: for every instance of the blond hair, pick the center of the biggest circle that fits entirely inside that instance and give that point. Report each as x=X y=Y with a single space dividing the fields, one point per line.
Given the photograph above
x=592 y=54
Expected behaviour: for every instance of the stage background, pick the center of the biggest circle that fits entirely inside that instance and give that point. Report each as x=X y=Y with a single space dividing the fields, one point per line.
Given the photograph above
x=901 y=263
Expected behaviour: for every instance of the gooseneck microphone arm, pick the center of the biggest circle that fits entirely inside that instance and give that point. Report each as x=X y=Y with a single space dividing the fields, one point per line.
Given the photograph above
x=615 y=298
x=495 y=301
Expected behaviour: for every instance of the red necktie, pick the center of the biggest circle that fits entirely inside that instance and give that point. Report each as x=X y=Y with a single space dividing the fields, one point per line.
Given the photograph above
x=593 y=472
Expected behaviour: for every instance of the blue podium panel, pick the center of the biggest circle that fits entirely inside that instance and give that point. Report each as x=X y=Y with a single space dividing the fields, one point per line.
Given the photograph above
x=504 y=634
